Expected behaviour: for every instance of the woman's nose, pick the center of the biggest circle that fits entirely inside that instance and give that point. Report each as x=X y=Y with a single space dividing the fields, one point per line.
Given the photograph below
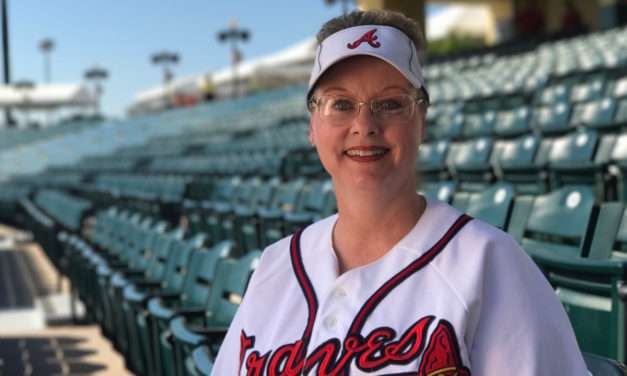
x=364 y=122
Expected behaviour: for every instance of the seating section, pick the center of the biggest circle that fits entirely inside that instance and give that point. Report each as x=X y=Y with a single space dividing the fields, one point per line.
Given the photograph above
x=160 y=220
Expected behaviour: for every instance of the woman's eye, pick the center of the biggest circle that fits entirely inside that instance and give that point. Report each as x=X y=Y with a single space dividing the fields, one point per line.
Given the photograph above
x=342 y=105
x=390 y=104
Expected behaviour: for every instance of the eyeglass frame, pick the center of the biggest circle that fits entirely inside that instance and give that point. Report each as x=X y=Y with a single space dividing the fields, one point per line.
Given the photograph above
x=418 y=99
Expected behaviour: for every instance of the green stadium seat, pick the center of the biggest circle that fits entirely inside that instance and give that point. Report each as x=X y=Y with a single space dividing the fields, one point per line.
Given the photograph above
x=493 y=206
x=442 y=190
x=165 y=277
x=448 y=127
x=478 y=124
x=317 y=202
x=597 y=114
x=591 y=284
x=522 y=162
x=572 y=161
x=552 y=119
x=545 y=230
x=431 y=163
x=267 y=226
x=590 y=89
x=196 y=289
x=512 y=123
x=190 y=329
x=470 y=163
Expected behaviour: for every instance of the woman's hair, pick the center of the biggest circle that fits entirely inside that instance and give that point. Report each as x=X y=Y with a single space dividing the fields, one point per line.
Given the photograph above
x=398 y=20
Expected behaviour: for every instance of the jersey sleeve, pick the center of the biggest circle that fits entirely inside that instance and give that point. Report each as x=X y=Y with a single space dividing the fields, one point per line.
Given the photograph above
x=228 y=360
x=229 y=357
x=521 y=328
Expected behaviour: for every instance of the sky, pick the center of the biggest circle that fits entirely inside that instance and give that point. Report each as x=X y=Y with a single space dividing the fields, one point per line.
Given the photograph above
x=121 y=35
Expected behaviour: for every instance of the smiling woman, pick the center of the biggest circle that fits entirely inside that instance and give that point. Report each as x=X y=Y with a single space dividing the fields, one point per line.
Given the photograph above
x=394 y=283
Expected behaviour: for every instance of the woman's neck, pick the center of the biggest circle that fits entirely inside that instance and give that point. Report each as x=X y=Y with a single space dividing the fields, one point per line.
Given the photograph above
x=370 y=224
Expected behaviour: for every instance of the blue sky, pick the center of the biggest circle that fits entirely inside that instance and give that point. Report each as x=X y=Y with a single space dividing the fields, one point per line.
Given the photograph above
x=121 y=35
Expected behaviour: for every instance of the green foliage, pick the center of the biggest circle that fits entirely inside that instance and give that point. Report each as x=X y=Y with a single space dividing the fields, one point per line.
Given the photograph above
x=453 y=43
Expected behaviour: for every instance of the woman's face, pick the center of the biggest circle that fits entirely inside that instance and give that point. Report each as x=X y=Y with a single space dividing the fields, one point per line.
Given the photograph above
x=346 y=149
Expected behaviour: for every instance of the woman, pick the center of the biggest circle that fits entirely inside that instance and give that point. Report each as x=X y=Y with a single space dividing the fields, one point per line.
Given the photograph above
x=395 y=283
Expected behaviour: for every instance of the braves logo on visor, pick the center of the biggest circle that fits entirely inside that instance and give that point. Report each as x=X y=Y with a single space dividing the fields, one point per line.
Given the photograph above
x=369 y=38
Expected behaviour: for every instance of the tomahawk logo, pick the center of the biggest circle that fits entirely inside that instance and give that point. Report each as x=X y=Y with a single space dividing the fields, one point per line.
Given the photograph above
x=369 y=38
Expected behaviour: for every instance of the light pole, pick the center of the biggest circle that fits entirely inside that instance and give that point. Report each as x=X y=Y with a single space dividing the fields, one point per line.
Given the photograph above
x=46 y=46
x=96 y=75
x=345 y=4
x=166 y=59
x=24 y=87
x=6 y=57
x=233 y=34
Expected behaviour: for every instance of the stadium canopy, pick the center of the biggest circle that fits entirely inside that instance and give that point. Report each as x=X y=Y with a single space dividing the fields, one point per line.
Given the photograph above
x=471 y=19
x=45 y=96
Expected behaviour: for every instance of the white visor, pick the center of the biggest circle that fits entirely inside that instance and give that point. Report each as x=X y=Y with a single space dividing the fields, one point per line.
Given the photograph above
x=384 y=42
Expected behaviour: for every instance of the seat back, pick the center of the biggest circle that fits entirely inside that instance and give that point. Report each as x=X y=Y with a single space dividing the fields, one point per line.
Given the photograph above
x=203 y=267
x=513 y=122
x=493 y=206
x=547 y=229
x=442 y=191
x=178 y=263
x=229 y=287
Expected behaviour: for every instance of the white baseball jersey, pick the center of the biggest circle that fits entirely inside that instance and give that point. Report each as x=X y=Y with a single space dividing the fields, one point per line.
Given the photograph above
x=455 y=296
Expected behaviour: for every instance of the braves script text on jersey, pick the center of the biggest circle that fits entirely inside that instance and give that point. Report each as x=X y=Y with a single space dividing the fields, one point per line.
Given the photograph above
x=454 y=297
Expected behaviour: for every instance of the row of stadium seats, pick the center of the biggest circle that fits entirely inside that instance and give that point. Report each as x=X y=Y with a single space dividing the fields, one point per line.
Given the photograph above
x=532 y=163
x=121 y=256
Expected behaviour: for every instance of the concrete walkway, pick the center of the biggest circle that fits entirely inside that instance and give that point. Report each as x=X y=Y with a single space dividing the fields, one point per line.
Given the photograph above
x=28 y=344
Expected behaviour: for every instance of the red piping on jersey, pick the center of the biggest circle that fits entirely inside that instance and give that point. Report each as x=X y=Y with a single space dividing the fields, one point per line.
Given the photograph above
x=401 y=276
x=307 y=287
x=377 y=297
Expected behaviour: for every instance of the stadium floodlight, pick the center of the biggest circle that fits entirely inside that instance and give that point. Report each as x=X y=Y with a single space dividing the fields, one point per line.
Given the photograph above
x=166 y=59
x=96 y=74
x=24 y=87
x=345 y=4
x=233 y=34
x=46 y=46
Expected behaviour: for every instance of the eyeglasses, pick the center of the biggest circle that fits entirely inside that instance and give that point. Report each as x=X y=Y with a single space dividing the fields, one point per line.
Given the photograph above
x=341 y=109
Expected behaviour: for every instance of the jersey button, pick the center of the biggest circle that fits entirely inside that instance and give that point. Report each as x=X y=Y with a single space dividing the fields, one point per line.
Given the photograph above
x=330 y=322
x=340 y=292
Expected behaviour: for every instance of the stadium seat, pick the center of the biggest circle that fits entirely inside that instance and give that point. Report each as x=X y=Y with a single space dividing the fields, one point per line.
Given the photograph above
x=431 y=163
x=545 y=229
x=165 y=277
x=589 y=89
x=470 y=164
x=572 y=161
x=512 y=123
x=597 y=114
x=552 y=119
x=591 y=284
x=442 y=191
x=191 y=329
x=195 y=292
x=479 y=124
x=522 y=162
x=493 y=205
